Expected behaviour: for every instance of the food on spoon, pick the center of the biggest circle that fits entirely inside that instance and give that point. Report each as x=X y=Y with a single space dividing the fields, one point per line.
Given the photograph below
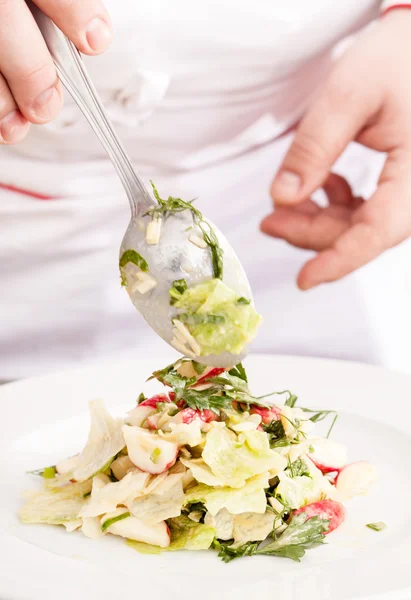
x=220 y=470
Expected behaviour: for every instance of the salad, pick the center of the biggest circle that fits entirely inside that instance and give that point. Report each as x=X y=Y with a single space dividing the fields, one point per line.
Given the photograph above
x=208 y=318
x=203 y=465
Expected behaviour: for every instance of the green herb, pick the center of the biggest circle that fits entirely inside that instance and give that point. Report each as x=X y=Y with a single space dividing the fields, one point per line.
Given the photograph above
x=110 y=522
x=197 y=319
x=298 y=468
x=378 y=526
x=135 y=258
x=291 y=400
x=320 y=415
x=176 y=205
x=198 y=400
x=300 y=535
x=87 y=495
x=155 y=455
x=276 y=434
x=198 y=367
x=311 y=449
x=141 y=398
x=240 y=372
x=227 y=552
x=243 y=300
x=177 y=290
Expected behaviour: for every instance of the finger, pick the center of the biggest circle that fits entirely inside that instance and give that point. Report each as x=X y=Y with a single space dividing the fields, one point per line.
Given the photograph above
x=338 y=190
x=304 y=231
x=336 y=115
x=85 y=22
x=13 y=126
x=26 y=64
x=379 y=224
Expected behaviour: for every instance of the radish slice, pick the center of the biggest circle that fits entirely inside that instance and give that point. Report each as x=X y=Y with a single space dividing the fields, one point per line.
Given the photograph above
x=188 y=415
x=356 y=479
x=134 y=529
x=149 y=452
x=328 y=456
x=155 y=400
x=208 y=374
x=331 y=510
x=267 y=414
x=139 y=414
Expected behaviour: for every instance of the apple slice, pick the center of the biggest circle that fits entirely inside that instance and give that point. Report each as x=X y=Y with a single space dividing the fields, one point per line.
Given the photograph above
x=356 y=479
x=139 y=415
x=157 y=534
x=331 y=510
x=148 y=451
x=328 y=456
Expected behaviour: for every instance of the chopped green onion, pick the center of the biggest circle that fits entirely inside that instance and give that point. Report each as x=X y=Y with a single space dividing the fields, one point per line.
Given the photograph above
x=243 y=300
x=49 y=473
x=110 y=522
x=379 y=526
x=155 y=455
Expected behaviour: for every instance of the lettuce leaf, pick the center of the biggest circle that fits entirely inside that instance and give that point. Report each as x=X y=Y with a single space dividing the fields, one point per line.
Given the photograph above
x=253 y=527
x=249 y=498
x=235 y=458
x=55 y=506
x=157 y=507
x=105 y=440
x=298 y=491
x=185 y=535
x=106 y=498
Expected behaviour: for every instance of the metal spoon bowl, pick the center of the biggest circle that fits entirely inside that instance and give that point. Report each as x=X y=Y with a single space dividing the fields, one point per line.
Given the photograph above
x=174 y=256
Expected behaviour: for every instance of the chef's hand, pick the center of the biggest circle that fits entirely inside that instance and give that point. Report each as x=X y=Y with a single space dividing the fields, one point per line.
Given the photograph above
x=30 y=91
x=366 y=98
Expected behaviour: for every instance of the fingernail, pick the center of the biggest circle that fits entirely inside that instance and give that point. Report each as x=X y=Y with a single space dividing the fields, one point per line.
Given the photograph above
x=13 y=127
x=99 y=35
x=286 y=186
x=47 y=105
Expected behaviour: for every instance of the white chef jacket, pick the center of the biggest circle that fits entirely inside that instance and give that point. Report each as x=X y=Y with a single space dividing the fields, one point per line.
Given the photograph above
x=202 y=95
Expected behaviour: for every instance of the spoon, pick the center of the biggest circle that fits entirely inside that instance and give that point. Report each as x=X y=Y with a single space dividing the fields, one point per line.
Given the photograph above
x=174 y=257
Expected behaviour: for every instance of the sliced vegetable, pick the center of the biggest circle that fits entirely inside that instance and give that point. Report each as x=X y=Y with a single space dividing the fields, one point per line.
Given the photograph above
x=329 y=510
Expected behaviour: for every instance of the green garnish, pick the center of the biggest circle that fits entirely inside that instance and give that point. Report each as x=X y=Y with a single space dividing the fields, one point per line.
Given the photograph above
x=223 y=390
x=239 y=371
x=177 y=290
x=46 y=472
x=87 y=495
x=176 y=205
x=198 y=367
x=155 y=455
x=378 y=526
x=197 y=319
x=291 y=400
x=300 y=535
x=298 y=468
x=141 y=398
x=276 y=434
x=243 y=300
x=49 y=473
x=110 y=522
x=135 y=258
x=320 y=415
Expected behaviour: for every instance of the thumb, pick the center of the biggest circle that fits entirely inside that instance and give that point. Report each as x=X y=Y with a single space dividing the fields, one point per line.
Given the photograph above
x=335 y=117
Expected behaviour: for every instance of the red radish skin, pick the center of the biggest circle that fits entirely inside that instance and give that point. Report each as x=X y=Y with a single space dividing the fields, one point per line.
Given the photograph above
x=152 y=402
x=188 y=415
x=209 y=375
x=331 y=510
x=267 y=414
x=328 y=456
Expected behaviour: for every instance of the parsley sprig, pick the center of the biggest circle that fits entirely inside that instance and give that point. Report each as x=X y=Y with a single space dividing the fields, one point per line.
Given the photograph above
x=177 y=205
x=301 y=534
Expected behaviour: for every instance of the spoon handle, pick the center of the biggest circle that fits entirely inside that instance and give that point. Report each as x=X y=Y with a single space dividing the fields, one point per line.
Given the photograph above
x=76 y=80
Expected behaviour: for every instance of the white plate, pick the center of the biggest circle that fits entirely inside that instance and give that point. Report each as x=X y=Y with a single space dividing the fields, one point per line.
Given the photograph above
x=45 y=419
